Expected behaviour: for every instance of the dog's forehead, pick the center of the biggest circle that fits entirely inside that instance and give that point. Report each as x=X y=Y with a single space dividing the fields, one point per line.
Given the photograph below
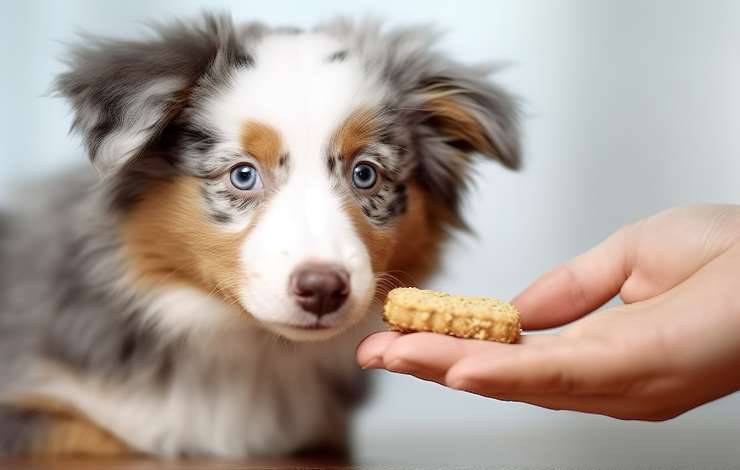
x=302 y=85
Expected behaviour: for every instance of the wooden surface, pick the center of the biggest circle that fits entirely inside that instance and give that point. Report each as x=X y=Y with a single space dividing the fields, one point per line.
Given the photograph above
x=98 y=464
x=140 y=464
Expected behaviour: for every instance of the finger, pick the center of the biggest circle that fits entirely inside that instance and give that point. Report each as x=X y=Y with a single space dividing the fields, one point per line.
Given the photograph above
x=562 y=366
x=429 y=355
x=577 y=287
x=370 y=351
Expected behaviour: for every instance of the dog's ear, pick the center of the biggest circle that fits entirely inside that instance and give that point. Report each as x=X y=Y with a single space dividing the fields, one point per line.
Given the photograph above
x=454 y=111
x=458 y=113
x=468 y=113
x=124 y=93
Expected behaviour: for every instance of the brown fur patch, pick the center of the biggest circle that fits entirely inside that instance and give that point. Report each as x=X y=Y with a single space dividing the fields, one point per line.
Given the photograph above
x=454 y=121
x=356 y=133
x=410 y=249
x=419 y=235
x=262 y=142
x=169 y=239
x=77 y=436
x=378 y=241
x=69 y=432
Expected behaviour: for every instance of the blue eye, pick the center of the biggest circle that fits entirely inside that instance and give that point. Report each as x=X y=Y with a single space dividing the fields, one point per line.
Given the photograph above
x=245 y=177
x=364 y=176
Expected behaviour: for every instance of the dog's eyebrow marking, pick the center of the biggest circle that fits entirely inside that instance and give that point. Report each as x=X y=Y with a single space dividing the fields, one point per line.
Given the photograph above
x=338 y=56
x=262 y=142
x=356 y=133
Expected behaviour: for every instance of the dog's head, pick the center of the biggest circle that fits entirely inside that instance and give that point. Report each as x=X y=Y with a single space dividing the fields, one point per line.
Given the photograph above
x=280 y=170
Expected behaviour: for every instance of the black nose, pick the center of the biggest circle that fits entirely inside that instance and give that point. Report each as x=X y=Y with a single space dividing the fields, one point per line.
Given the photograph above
x=320 y=288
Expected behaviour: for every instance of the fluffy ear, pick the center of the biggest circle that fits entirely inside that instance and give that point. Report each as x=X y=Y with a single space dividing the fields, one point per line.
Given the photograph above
x=124 y=93
x=453 y=111
x=470 y=113
x=457 y=113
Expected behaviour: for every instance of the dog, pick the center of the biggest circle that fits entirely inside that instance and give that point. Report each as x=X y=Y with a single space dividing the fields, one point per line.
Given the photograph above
x=200 y=288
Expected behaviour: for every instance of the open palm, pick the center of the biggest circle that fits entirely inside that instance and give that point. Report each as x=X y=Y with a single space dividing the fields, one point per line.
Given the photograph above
x=672 y=346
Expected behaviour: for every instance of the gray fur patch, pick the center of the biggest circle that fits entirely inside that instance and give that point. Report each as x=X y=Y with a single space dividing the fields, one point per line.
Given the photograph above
x=19 y=430
x=388 y=150
x=125 y=92
x=339 y=56
x=115 y=349
x=5 y=227
x=222 y=204
x=61 y=304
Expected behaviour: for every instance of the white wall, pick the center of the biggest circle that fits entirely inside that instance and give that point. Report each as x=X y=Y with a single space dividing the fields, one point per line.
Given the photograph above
x=631 y=108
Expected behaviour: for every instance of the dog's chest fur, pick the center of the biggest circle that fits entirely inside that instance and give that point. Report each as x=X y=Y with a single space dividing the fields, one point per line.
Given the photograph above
x=233 y=392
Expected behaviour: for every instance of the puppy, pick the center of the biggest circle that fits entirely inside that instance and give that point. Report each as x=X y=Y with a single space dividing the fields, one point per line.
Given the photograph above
x=256 y=192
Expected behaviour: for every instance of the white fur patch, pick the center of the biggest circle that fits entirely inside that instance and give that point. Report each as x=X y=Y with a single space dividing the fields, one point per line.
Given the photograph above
x=232 y=395
x=295 y=89
x=305 y=222
x=188 y=312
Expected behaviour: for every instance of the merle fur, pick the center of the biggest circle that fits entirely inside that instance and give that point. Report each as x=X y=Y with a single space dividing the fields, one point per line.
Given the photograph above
x=62 y=299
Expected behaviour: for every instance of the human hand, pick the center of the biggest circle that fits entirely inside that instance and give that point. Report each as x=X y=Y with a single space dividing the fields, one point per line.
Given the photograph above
x=674 y=345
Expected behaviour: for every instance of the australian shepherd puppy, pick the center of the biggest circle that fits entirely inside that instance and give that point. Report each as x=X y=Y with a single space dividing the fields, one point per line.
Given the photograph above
x=202 y=291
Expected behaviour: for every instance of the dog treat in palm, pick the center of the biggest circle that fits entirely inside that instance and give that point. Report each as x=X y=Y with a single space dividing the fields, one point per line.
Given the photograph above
x=409 y=309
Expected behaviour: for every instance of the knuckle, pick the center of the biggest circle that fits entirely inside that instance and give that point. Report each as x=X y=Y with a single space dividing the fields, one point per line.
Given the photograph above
x=576 y=291
x=397 y=359
x=402 y=354
x=398 y=364
x=463 y=378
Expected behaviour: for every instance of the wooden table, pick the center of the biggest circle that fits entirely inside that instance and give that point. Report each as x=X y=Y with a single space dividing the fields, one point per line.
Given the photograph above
x=140 y=464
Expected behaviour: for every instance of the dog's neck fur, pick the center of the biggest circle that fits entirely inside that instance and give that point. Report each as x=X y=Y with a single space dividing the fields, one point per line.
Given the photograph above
x=221 y=388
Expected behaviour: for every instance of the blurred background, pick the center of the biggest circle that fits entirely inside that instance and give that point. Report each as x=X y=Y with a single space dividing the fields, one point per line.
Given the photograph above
x=631 y=107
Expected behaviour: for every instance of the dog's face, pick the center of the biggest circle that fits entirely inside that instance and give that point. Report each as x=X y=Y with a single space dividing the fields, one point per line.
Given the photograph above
x=281 y=171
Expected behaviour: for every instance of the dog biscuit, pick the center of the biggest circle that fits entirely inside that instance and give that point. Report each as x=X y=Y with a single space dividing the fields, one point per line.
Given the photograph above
x=409 y=309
